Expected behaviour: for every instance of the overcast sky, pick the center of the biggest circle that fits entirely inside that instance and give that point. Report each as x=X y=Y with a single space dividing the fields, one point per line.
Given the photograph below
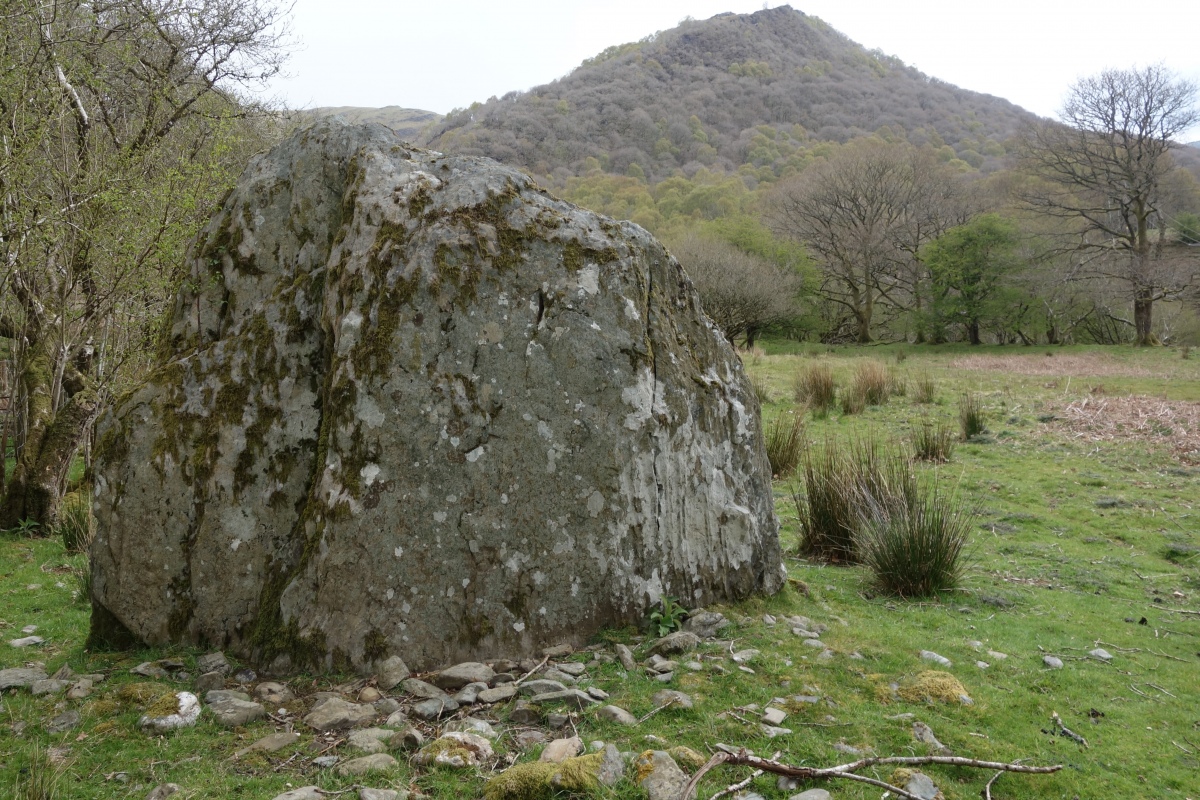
x=442 y=55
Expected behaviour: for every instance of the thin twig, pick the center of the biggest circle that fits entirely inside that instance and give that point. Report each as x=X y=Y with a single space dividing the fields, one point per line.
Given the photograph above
x=743 y=784
x=744 y=758
x=987 y=787
x=1065 y=731
x=1164 y=655
x=525 y=677
x=1161 y=689
x=1138 y=691
x=667 y=704
x=285 y=763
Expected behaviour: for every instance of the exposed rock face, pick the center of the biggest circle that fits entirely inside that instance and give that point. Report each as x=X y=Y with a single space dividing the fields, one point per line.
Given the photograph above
x=411 y=405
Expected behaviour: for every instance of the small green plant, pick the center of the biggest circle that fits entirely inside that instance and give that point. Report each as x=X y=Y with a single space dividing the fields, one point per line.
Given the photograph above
x=852 y=401
x=971 y=419
x=785 y=442
x=816 y=387
x=932 y=442
x=26 y=527
x=836 y=476
x=873 y=382
x=901 y=356
x=669 y=616
x=74 y=524
x=83 y=583
x=911 y=535
x=924 y=389
x=38 y=781
x=762 y=390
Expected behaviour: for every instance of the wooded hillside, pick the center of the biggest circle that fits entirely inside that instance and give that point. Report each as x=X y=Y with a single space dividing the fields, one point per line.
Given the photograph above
x=728 y=91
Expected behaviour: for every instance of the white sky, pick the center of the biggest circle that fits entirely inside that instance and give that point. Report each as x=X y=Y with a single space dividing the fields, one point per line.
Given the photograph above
x=441 y=55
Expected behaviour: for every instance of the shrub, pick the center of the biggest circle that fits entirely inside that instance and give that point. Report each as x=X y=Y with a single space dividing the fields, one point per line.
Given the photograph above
x=932 y=442
x=853 y=401
x=912 y=535
x=74 y=523
x=38 y=781
x=924 y=389
x=897 y=385
x=1186 y=352
x=872 y=382
x=816 y=387
x=762 y=390
x=836 y=475
x=83 y=583
x=971 y=418
x=785 y=442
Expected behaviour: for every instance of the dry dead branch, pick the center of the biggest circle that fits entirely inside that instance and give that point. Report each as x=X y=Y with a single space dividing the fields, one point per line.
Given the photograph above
x=848 y=771
x=1067 y=732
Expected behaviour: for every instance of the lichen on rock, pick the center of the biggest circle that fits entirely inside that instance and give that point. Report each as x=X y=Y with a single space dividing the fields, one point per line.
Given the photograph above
x=411 y=405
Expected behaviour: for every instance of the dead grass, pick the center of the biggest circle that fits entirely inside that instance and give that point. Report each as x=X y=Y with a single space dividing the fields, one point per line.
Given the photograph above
x=1174 y=424
x=1039 y=363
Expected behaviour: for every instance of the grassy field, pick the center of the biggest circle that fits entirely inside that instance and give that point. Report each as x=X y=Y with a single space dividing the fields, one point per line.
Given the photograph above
x=1086 y=534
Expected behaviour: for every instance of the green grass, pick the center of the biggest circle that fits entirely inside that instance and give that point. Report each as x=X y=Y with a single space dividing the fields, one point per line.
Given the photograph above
x=1053 y=567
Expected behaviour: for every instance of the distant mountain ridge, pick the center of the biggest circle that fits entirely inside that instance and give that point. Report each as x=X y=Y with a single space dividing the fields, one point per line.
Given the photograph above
x=729 y=91
x=408 y=123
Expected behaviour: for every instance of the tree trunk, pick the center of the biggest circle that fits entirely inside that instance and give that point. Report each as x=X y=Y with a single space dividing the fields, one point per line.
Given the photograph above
x=973 y=331
x=863 y=315
x=41 y=472
x=1143 y=318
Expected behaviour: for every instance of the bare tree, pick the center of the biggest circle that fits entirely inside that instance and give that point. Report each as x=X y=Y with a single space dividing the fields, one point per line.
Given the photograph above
x=1104 y=169
x=120 y=123
x=864 y=215
x=742 y=293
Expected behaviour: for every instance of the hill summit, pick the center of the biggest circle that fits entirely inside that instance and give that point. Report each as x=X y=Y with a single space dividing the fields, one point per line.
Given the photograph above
x=720 y=93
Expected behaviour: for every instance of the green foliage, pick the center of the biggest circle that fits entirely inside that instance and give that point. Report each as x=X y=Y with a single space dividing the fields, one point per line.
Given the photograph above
x=785 y=443
x=874 y=383
x=39 y=780
x=669 y=616
x=762 y=390
x=816 y=387
x=853 y=401
x=1187 y=227
x=839 y=478
x=968 y=267
x=26 y=527
x=911 y=534
x=933 y=441
x=972 y=421
x=925 y=392
x=74 y=523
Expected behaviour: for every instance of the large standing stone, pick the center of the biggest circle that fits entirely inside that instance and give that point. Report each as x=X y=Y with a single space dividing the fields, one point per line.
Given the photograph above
x=410 y=404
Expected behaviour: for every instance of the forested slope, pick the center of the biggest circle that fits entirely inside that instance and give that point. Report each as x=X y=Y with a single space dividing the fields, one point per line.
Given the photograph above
x=732 y=90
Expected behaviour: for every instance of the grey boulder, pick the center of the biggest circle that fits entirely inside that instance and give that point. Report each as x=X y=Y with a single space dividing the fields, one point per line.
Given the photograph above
x=401 y=383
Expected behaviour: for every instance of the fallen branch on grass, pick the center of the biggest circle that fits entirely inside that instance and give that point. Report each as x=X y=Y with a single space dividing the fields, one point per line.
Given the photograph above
x=737 y=787
x=848 y=771
x=1067 y=732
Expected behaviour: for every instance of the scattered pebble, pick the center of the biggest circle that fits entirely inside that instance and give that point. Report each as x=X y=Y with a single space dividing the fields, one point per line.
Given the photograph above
x=929 y=655
x=27 y=641
x=1052 y=662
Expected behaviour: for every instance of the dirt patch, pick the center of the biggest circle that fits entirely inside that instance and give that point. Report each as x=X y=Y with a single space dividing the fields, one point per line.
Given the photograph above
x=1174 y=424
x=1086 y=364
